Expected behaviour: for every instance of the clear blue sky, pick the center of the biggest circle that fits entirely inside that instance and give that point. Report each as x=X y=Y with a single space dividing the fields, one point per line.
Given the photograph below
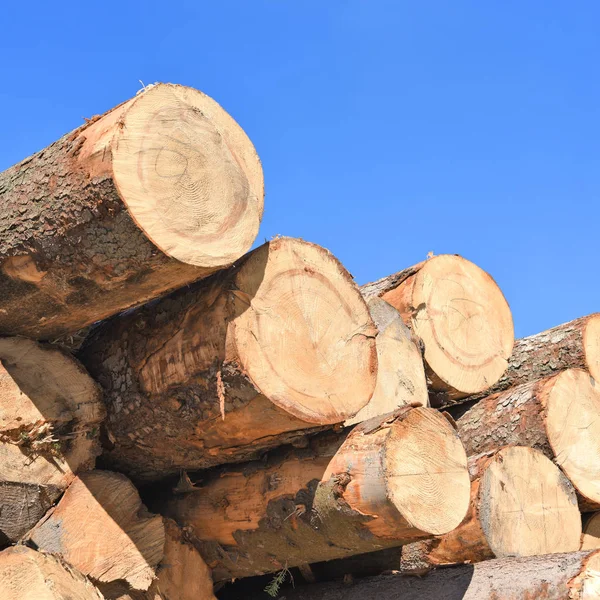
x=386 y=129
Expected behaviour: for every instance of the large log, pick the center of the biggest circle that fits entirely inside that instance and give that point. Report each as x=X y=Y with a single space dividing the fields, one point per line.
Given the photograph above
x=101 y=527
x=50 y=416
x=462 y=319
x=252 y=358
x=573 y=345
x=400 y=372
x=574 y=576
x=29 y=575
x=161 y=190
x=521 y=505
x=390 y=481
x=181 y=574
x=557 y=415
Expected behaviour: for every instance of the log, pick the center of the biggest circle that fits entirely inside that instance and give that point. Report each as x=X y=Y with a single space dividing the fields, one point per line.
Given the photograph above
x=257 y=356
x=158 y=192
x=388 y=482
x=573 y=345
x=590 y=539
x=400 y=372
x=50 y=415
x=571 y=576
x=29 y=575
x=101 y=527
x=462 y=319
x=521 y=505
x=557 y=415
x=181 y=574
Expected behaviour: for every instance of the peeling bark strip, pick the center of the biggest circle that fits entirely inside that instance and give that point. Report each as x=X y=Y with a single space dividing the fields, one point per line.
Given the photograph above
x=101 y=527
x=29 y=575
x=462 y=319
x=400 y=372
x=390 y=481
x=573 y=345
x=50 y=416
x=574 y=576
x=158 y=192
x=557 y=415
x=521 y=505
x=283 y=343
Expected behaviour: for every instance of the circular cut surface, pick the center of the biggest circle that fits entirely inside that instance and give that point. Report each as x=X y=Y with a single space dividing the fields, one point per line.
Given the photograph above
x=304 y=335
x=189 y=176
x=590 y=540
x=573 y=428
x=464 y=321
x=527 y=506
x=400 y=372
x=426 y=472
x=591 y=346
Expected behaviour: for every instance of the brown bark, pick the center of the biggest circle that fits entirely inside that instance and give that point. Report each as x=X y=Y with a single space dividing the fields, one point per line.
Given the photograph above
x=571 y=576
x=254 y=357
x=521 y=505
x=573 y=345
x=400 y=372
x=50 y=416
x=556 y=415
x=461 y=318
x=124 y=208
x=101 y=527
x=29 y=575
x=390 y=481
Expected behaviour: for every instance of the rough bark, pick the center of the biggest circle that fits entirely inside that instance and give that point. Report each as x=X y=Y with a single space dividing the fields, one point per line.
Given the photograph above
x=461 y=318
x=573 y=345
x=254 y=357
x=159 y=191
x=388 y=482
x=50 y=416
x=557 y=415
x=400 y=372
x=571 y=576
x=101 y=527
x=521 y=505
x=29 y=575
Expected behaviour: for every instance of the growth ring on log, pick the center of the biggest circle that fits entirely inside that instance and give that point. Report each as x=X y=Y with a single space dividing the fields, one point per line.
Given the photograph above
x=527 y=506
x=304 y=335
x=573 y=429
x=189 y=176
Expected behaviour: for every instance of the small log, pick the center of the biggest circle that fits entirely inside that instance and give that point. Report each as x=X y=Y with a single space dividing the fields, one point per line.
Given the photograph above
x=400 y=372
x=590 y=539
x=557 y=415
x=462 y=319
x=101 y=527
x=257 y=356
x=573 y=345
x=390 y=481
x=521 y=505
x=29 y=575
x=571 y=576
x=181 y=574
x=158 y=192
x=50 y=416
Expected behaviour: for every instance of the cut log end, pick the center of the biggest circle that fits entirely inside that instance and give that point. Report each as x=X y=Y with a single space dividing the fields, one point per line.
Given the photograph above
x=590 y=539
x=527 y=506
x=29 y=575
x=304 y=333
x=426 y=468
x=573 y=429
x=188 y=174
x=591 y=346
x=462 y=318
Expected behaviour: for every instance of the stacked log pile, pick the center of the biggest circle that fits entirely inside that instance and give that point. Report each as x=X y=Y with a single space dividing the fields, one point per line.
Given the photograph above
x=184 y=419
